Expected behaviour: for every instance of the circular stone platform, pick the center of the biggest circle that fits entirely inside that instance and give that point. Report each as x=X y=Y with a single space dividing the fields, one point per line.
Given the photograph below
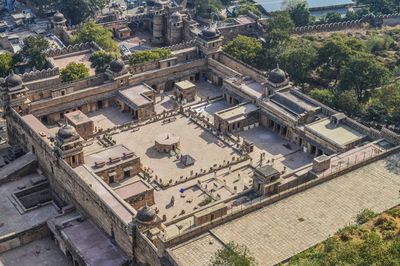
x=166 y=142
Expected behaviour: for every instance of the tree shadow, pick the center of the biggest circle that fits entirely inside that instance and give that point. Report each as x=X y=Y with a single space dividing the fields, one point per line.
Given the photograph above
x=392 y=163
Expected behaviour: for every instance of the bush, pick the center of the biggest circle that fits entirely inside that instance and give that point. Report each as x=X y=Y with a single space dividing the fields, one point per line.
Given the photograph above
x=74 y=71
x=364 y=216
x=149 y=56
x=379 y=43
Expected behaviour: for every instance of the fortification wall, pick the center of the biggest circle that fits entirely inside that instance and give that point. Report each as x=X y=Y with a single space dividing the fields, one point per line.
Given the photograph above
x=241 y=67
x=67 y=185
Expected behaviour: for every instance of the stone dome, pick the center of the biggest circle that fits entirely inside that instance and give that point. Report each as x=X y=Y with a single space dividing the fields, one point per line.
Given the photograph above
x=210 y=32
x=58 y=17
x=277 y=75
x=13 y=80
x=67 y=131
x=117 y=66
x=146 y=214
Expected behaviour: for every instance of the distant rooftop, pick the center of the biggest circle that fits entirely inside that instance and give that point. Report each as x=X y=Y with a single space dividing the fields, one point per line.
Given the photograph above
x=116 y=153
x=135 y=95
x=132 y=189
x=77 y=117
x=339 y=134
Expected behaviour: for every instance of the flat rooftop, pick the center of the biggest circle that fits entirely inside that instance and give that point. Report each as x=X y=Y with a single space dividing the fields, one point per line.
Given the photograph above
x=79 y=57
x=134 y=96
x=77 y=117
x=309 y=217
x=339 y=134
x=184 y=85
x=101 y=160
x=93 y=245
x=132 y=189
x=293 y=103
x=252 y=88
x=236 y=112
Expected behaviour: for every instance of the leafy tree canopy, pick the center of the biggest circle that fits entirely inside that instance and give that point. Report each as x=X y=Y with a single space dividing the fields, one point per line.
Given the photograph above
x=204 y=8
x=101 y=60
x=6 y=64
x=381 y=6
x=74 y=71
x=246 y=49
x=149 y=56
x=33 y=51
x=363 y=73
x=76 y=11
x=299 y=12
x=325 y=96
x=92 y=32
x=298 y=60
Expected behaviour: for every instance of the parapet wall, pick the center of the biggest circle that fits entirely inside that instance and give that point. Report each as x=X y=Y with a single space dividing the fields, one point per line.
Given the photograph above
x=384 y=20
x=72 y=49
x=40 y=74
x=337 y=26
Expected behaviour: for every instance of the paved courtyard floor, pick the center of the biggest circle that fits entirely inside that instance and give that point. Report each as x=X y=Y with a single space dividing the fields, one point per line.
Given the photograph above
x=108 y=118
x=276 y=148
x=194 y=140
x=281 y=230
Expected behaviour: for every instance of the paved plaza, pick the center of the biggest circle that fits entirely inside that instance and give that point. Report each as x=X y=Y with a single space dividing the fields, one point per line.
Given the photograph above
x=284 y=154
x=194 y=141
x=283 y=229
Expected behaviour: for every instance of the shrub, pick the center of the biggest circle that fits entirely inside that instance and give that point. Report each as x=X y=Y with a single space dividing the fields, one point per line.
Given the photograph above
x=365 y=215
x=149 y=56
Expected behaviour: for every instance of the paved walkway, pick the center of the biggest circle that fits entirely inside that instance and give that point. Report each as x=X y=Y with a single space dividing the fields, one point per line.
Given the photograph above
x=290 y=226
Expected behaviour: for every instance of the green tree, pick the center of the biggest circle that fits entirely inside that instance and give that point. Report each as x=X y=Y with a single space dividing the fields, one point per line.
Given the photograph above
x=204 y=8
x=149 y=56
x=363 y=73
x=33 y=50
x=381 y=6
x=74 y=71
x=324 y=96
x=377 y=43
x=335 y=52
x=245 y=48
x=246 y=7
x=347 y=102
x=233 y=255
x=100 y=60
x=298 y=60
x=6 y=64
x=92 y=32
x=299 y=12
x=277 y=36
x=332 y=17
x=376 y=112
